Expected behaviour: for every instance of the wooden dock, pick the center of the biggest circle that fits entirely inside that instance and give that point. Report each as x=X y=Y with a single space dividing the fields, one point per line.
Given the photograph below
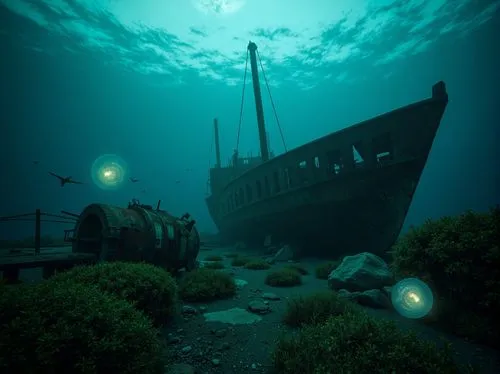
x=11 y=263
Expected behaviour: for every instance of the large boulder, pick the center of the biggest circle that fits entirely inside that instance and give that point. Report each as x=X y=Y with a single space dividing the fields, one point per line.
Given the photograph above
x=371 y=298
x=361 y=272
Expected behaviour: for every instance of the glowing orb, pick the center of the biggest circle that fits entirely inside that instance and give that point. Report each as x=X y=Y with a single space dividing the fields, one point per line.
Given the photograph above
x=412 y=298
x=109 y=172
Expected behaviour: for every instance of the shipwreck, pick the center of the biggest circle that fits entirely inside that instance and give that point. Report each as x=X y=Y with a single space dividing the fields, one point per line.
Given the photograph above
x=319 y=196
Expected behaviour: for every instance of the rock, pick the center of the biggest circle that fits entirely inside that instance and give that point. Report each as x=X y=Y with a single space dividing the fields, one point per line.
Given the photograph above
x=186 y=349
x=284 y=254
x=258 y=306
x=370 y=298
x=351 y=296
x=180 y=369
x=253 y=367
x=361 y=272
x=374 y=299
x=186 y=309
x=270 y=296
x=240 y=283
x=215 y=362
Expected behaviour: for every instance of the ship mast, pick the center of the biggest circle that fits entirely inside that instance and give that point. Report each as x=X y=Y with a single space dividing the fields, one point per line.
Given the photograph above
x=264 y=150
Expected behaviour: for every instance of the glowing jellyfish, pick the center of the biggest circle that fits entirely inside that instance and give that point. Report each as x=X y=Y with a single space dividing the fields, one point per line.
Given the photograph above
x=109 y=172
x=412 y=298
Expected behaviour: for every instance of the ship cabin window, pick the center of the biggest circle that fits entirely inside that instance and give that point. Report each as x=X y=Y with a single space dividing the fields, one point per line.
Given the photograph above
x=383 y=148
x=316 y=162
x=245 y=161
x=259 y=189
x=229 y=204
x=359 y=162
x=301 y=172
x=249 y=193
x=267 y=186
x=286 y=178
x=277 y=187
x=335 y=163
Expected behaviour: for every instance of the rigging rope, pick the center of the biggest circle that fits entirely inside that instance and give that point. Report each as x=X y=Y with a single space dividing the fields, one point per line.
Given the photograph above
x=242 y=101
x=272 y=101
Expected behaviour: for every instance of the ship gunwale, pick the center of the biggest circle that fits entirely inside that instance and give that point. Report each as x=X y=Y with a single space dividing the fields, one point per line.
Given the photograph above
x=290 y=153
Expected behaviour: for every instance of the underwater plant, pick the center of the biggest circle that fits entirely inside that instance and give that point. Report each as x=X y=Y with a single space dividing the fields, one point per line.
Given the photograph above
x=283 y=278
x=70 y=327
x=459 y=257
x=316 y=308
x=357 y=343
x=206 y=284
x=257 y=264
x=148 y=287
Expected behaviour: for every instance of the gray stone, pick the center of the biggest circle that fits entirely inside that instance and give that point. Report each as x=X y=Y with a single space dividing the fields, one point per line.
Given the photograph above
x=270 y=296
x=258 y=306
x=186 y=349
x=371 y=298
x=361 y=272
x=374 y=299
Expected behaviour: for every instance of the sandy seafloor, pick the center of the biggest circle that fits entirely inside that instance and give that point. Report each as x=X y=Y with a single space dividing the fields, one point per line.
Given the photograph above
x=215 y=347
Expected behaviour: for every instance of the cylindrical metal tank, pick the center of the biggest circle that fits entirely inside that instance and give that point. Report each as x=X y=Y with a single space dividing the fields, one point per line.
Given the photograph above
x=137 y=233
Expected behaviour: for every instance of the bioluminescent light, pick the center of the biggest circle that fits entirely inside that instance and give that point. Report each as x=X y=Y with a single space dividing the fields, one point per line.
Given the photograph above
x=412 y=298
x=109 y=172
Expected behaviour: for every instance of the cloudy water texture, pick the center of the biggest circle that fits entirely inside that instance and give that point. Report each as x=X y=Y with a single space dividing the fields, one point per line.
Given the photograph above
x=144 y=79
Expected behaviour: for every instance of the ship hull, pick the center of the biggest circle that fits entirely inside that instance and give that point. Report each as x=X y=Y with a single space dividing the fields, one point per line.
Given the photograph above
x=319 y=198
x=363 y=211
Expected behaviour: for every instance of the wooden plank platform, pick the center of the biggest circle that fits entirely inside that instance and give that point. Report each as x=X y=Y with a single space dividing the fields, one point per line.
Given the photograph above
x=37 y=261
x=11 y=264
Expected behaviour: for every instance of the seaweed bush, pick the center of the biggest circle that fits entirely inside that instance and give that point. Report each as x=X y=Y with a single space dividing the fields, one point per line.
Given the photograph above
x=149 y=288
x=357 y=343
x=460 y=258
x=283 y=278
x=257 y=264
x=316 y=308
x=206 y=284
x=70 y=327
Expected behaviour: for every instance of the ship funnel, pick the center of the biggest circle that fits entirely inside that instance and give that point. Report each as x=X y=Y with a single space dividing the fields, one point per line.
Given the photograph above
x=217 y=145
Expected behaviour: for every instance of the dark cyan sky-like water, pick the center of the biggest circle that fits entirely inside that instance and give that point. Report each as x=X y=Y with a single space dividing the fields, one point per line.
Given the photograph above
x=143 y=80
